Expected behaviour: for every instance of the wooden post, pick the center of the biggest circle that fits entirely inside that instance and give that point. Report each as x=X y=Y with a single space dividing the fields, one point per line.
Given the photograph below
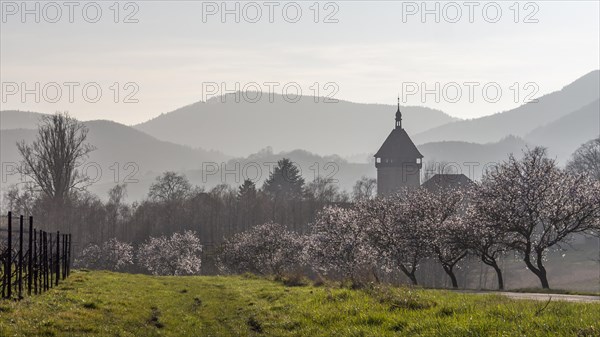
x=20 y=275
x=45 y=260
x=63 y=264
x=50 y=258
x=40 y=259
x=66 y=255
x=69 y=254
x=30 y=257
x=66 y=244
x=35 y=259
x=8 y=269
x=57 y=257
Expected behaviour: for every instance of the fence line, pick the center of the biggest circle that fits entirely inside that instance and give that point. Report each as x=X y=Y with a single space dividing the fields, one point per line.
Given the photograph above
x=38 y=266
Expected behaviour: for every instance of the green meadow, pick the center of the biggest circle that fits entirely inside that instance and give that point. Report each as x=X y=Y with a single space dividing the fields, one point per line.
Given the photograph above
x=93 y=303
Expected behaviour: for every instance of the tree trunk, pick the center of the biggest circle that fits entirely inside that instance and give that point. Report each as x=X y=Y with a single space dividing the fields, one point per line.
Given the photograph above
x=449 y=270
x=499 y=275
x=413 y=279
x=540 y=270
x=490 y=261
x=375 y=275
x=410 y=274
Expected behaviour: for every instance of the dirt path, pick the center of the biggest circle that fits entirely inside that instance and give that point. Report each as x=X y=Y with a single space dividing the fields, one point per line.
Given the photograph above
x=542 y=297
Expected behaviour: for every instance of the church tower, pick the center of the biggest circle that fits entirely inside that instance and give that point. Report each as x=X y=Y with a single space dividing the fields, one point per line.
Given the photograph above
x=398 y=161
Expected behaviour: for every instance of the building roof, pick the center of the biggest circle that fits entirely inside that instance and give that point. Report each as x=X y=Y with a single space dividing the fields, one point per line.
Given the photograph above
x=448 y=181
x=398 y=145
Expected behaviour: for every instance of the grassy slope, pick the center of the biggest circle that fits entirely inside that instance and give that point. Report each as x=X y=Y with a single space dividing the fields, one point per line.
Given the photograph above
x=113 y=304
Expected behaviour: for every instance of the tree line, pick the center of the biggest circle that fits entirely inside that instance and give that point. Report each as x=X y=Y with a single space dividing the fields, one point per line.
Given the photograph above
x=57 y=193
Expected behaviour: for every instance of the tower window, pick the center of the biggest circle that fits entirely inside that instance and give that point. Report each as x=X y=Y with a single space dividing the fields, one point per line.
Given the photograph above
x=418 y=160
x=378 y=160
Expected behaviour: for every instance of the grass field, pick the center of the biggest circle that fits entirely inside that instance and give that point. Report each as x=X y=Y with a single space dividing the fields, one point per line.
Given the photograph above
x=113 y=304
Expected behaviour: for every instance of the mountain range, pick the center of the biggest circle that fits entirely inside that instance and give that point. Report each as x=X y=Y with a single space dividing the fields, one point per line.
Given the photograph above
x=316 y=135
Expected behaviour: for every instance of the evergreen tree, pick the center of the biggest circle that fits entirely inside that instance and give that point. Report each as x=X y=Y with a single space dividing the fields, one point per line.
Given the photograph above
x=285 y=182
x=248 y=202
x=247 y=191
x=285 y=187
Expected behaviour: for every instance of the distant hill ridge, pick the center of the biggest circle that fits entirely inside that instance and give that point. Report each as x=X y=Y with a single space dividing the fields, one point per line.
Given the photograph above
x=521 y=120
x=239 y=128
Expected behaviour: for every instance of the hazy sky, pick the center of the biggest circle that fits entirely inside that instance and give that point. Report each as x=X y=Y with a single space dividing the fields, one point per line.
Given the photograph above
x=375 y=50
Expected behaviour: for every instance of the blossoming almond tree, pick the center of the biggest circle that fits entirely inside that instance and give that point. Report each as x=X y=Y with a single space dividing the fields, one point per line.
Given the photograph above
x=398 y=241
x=447 y=248
x=483 y=238
x=179 y=254
x=440 y=215
x=538 y=205
x=268 y=249
x=337 y=243
x=110 y=255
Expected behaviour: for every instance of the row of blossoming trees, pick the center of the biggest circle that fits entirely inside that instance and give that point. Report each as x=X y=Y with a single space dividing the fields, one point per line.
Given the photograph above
x=178 y=254
x=527 y=206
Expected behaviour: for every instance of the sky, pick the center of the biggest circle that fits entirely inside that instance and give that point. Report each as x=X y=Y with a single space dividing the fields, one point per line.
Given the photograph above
x=162 y=55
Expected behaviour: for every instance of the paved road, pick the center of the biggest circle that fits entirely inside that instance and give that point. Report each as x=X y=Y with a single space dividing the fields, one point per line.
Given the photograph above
x=542 y=297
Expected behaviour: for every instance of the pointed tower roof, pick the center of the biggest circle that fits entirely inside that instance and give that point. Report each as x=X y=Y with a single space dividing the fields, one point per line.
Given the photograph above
x=398 y=144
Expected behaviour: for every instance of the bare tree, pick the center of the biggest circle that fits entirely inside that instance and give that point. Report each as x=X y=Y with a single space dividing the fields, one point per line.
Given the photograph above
x=117 y=210
x=538 y=206
x=169 y=187
x=324 y=190
x=52 y=160
x=20 y=199
x=586 y=159
x=364 y=188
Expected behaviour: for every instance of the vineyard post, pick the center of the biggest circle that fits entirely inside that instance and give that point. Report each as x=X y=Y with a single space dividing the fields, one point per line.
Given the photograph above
x=8 y=270
x=57 y=258
x=20 y=276
x=69 y=255
x=50 y=259
x=64 y=258
x=35 y=259
x=30 y=257
x=45 y=260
